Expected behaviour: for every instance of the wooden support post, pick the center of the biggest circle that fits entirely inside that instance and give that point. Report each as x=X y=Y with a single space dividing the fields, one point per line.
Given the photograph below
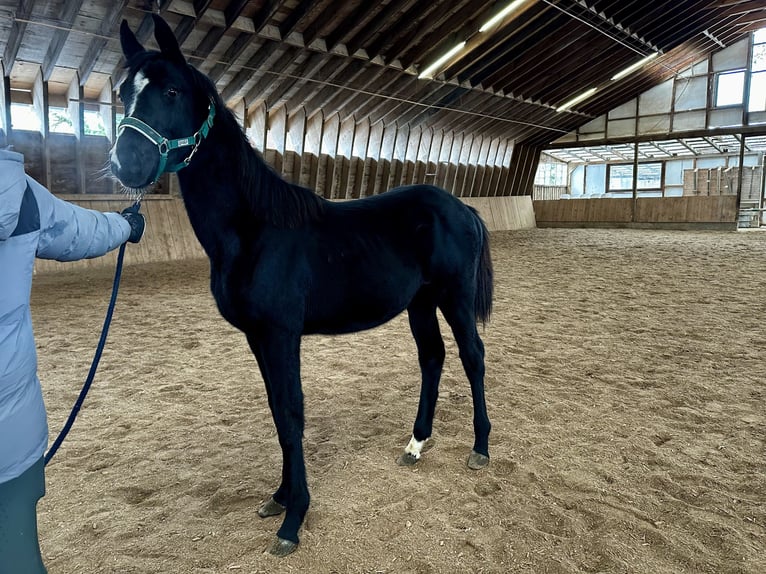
x=739 y=176
x=635 y=182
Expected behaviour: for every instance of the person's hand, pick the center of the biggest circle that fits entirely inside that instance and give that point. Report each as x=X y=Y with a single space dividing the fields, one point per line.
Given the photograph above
x=136 y=221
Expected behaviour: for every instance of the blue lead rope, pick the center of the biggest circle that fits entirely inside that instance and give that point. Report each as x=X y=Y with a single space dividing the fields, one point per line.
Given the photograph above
x=96 y=358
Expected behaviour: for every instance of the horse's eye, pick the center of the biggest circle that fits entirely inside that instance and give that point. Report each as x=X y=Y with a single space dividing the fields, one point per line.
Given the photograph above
x=171 y=92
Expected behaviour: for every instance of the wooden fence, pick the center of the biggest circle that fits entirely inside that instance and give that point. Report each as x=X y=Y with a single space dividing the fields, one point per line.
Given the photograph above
x=660 y=212
x=169 y=235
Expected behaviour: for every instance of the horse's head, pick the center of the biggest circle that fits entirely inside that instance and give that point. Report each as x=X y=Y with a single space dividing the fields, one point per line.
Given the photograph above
x=168 y=110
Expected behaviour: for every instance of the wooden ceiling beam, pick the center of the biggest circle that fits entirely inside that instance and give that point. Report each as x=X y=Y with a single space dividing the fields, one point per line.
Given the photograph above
x=380 y=85
x=95 y=48
x=331 y=17
x=244 y=39
x=387 y=16
x=729 y=3
x=511 y=43
x=453 y=25
x=410 y=25
x=184 y=28
x=285 y=64
x=231 y=55
x=402 y=113
x=296 y=15
x=352 y=23
x=506 y=66
x=265 y=51
x=289 y=86
x=397 y=90
x=745 y=7
x=200 y=7
x=209 y=42
x=353 y=70
x=18 y=28
x=59 y=38
x=233 y=11
x=265 y=14
x=328 y=71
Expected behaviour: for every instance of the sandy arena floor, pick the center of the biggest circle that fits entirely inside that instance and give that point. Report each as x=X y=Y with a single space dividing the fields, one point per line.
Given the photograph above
x=625 y=383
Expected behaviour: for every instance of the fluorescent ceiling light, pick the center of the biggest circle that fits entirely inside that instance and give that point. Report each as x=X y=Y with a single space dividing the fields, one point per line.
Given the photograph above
x=502 y=14
x=576 y=100
x=635 y=66
x=428 y=72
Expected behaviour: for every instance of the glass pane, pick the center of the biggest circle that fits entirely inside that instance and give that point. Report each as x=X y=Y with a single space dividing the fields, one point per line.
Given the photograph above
x=94 y=123
x=757 y=102
x=60 y=122
x=649 y=175
x=551 y=174
x=595 y=177
x=730 y=89
x=620 y=177
x=759 y=57
x=23 y=117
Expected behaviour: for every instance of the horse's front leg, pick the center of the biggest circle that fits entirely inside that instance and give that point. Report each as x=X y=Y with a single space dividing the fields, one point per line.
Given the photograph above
x=278 y=355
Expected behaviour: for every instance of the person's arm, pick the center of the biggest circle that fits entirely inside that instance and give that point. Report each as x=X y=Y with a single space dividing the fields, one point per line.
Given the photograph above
x=69 y=232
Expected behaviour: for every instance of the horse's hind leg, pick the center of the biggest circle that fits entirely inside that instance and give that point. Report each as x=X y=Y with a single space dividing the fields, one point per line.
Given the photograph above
x=278 y=356
x=462 y=321
x=425 y=328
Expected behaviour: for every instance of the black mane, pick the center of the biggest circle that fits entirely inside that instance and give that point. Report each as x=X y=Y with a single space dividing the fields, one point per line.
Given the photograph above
x=272 y=199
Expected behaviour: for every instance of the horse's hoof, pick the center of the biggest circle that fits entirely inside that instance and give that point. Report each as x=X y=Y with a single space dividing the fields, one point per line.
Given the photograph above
x=407 y=459
x=283 y=547
x=270 y=508
x=477 y=461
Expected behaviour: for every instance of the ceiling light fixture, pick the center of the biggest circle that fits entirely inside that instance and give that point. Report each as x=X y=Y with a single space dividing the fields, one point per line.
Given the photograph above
x=428 y=72
x=585 y=95
x=636 y=66
x=515 y=5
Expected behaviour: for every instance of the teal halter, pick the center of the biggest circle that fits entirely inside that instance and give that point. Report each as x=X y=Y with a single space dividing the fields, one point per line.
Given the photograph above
x=164 y=145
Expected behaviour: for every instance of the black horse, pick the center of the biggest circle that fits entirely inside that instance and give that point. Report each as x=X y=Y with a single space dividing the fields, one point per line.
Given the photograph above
x=284 y=262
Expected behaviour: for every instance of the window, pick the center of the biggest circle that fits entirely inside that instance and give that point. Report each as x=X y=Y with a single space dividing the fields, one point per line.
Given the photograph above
x=24 y=117
x=730 y=87
x=94 y=123
x=551 y=173
x=620 y=177
x=60 y=121
x=757 y=99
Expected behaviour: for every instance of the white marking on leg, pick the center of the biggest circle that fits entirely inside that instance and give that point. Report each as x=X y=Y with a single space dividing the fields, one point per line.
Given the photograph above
x=414 y=447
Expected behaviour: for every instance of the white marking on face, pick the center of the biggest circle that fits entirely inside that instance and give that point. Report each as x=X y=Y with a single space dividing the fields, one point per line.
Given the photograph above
x=414 y=447
x=139 y=83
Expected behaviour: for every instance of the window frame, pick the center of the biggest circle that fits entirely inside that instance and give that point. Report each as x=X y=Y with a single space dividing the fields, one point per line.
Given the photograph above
x=659 y=188
x=718 y=76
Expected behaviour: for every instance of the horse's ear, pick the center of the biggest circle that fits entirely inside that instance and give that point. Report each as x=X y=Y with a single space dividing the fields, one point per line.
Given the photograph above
x=167 y=40
x=129 y=42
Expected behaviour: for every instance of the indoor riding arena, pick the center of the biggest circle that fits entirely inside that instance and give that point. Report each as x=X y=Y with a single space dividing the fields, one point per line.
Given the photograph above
x=615 y=152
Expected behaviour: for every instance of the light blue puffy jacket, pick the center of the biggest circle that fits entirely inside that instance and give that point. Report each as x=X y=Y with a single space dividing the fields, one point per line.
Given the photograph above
x=34 y=223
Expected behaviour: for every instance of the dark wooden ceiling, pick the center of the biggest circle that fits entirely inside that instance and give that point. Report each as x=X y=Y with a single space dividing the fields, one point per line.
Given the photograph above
x=361 y=59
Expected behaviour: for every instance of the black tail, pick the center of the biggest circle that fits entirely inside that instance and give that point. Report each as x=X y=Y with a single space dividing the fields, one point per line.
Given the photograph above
x=484 y=276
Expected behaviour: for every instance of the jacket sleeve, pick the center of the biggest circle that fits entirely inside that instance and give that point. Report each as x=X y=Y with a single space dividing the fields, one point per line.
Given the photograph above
x=12 y=186
x=69 y=232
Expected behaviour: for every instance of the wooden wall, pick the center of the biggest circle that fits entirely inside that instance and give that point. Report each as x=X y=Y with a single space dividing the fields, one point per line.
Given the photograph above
x=68 y=165
x=659 y=212
x=169 y=235
x=339 y=177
